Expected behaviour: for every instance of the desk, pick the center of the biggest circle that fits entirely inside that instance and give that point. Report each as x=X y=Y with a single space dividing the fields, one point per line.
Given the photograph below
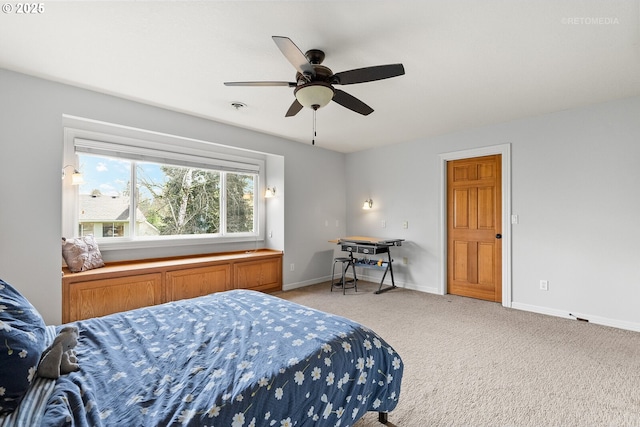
x=371 y=246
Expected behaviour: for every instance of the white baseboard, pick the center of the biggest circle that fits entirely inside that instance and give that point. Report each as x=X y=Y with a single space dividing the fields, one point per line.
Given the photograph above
x=292 y=286
x=401 y=284
x=614 y=323
x=364 y=277
x=604 y=321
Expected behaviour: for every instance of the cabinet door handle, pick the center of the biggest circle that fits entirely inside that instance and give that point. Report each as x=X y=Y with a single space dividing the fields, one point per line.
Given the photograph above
x=498 y=236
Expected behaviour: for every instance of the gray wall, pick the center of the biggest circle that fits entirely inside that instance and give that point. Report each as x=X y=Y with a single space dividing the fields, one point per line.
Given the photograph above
x=31 y=144
x=574 y=186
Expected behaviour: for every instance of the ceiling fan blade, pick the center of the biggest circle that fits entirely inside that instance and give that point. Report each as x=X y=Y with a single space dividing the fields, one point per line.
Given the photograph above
x=368 y=74
x=294 y=109
x=294 y=55
x=351 y=102
x=288 y=84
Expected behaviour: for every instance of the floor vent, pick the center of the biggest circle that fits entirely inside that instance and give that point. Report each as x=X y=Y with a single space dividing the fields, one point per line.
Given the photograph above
x=579 y=319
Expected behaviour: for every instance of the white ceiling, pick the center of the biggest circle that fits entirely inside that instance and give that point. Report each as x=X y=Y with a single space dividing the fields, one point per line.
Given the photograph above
x=468 y=63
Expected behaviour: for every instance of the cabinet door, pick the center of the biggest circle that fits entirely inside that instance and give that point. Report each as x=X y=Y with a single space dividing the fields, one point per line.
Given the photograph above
x=101 y=297
x=195 y=282
x=260 y=275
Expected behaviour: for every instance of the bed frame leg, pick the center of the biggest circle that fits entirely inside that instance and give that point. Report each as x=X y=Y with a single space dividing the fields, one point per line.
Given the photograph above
x=383 y=417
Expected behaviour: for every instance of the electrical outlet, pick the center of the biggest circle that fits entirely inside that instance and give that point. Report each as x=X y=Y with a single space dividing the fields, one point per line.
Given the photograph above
x=405 y=260
x=405 y=224
x=383 y=223
x=544 y=285
x=292 y=267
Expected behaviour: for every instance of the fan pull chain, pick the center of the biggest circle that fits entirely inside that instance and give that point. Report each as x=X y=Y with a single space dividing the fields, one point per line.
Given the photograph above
x=313 y=141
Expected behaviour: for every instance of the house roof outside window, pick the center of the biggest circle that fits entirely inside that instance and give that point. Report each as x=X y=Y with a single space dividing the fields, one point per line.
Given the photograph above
x=100 y=208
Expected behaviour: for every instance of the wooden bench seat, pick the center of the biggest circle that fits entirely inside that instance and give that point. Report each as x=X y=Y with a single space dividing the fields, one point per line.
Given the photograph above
x=122 y=286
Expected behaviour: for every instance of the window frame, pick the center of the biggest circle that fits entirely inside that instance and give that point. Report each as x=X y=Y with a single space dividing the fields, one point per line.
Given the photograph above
x=101 y=137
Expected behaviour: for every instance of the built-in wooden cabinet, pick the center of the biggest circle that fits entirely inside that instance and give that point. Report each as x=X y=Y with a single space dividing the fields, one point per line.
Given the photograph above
x=105 y=296
x=261 y=275
x=195 y=282
x=129 y=285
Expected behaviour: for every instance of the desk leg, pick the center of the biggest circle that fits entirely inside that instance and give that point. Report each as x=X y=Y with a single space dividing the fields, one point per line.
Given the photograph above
x=389 y=269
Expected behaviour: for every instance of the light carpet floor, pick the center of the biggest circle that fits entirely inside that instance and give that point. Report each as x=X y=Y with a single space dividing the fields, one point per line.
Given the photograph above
x=476 y=363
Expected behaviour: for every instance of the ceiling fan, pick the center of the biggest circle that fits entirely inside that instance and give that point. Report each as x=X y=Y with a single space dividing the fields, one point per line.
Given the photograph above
x=314 y=85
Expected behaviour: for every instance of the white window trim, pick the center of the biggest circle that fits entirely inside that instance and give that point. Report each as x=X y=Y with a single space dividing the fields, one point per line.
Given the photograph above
x=97 y=134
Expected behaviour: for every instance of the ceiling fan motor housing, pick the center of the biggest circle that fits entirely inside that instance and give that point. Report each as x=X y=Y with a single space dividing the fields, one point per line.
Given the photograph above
x=323 y=74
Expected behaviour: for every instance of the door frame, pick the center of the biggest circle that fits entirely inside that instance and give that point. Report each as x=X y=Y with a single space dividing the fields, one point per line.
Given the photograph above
x=505 y=151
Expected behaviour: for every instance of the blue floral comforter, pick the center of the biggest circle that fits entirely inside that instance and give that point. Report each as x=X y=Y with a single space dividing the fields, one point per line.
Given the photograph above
x=236 y=358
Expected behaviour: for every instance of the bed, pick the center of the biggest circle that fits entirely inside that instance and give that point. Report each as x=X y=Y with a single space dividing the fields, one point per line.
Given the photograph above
x=236 y=358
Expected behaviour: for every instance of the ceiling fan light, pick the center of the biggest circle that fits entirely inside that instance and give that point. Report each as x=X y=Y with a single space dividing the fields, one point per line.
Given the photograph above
x=314 y=95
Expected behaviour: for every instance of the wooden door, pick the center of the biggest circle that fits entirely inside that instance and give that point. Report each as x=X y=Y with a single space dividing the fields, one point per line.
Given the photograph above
x=474 y=227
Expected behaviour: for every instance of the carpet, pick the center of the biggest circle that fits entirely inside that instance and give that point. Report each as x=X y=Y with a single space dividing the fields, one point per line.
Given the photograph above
x=475 y=363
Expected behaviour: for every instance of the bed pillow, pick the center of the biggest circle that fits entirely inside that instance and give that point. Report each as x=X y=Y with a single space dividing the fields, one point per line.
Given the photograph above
x=81 y=253
x=22 y=340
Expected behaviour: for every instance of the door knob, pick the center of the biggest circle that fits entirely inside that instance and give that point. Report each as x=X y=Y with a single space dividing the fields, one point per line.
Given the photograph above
x=498 y=236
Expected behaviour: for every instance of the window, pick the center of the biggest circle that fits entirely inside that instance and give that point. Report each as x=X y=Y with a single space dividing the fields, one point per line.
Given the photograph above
x=147 y=191
x=167 y=200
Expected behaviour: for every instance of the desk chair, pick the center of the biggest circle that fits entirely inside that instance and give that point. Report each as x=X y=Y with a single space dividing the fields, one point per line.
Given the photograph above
x=345 y=263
